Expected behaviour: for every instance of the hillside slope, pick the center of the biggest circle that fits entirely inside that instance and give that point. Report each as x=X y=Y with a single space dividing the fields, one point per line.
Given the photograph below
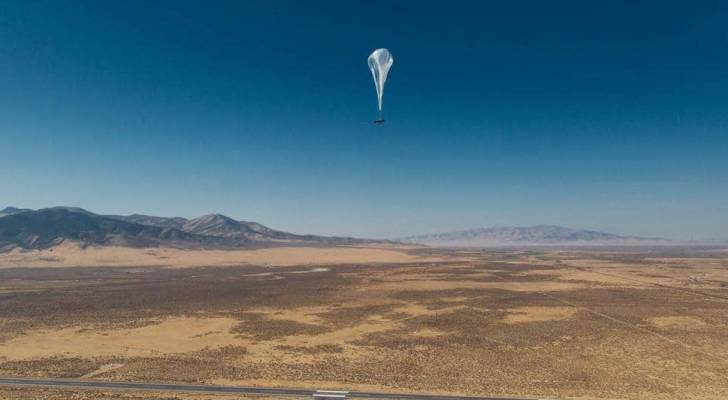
x=38 y=229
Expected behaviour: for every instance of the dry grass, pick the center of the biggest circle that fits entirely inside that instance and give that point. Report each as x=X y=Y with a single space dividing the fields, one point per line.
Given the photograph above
x=678 y=323
x=174 y=335
x=539 y=314
x=71 y=255
x=502 y=323
x=36 y=393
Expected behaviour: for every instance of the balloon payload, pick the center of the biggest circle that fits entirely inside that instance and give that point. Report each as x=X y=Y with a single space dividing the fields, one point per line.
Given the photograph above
x=380 y=61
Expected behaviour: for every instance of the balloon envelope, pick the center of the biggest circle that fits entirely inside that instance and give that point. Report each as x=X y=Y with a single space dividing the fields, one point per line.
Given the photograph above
x=379 y=62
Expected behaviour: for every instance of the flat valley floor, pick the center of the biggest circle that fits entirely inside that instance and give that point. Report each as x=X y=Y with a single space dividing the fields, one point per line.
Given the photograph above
x=600 y=323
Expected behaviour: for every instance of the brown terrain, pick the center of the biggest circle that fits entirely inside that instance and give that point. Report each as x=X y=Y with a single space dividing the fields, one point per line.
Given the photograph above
x=26 y=393
x=628 y=323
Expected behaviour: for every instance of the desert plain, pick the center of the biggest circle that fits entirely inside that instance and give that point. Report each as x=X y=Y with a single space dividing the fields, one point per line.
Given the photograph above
x=623 y=323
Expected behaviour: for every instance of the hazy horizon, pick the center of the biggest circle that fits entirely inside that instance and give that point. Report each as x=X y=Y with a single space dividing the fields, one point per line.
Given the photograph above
x=458 y=230
x=609 y=118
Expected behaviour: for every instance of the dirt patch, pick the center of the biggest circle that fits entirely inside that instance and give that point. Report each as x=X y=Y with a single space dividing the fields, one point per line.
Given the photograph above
x=69 y=255
x=567 y=274
x=102 y=370
x=435 y=285
x=427 y=333
x=538 y=314
x=171 y=336
x=678 y=322
x=304 y=315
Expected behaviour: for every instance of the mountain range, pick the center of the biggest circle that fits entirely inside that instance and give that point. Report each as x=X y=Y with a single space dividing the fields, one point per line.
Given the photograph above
x=37 y=229
x=539 y=235
x=44 y=228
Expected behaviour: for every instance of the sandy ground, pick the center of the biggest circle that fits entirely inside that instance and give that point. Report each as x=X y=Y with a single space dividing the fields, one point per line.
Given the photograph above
x=678 y=323
x=537 y=314
x=500 y=323
x=181 y=335
x=166 y=337
x=35 y=393
x=71 y=255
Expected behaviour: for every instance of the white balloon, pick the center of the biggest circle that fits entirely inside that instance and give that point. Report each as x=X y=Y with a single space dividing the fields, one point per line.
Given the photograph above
x=379 y=62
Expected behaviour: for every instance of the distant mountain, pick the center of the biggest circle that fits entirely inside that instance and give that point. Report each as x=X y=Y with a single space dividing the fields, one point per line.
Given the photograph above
x=12 y=210
x=36 y=229
x=48 y=227
x=221 y=226
x=531 y=235
x=69 y=209
x=164 y=222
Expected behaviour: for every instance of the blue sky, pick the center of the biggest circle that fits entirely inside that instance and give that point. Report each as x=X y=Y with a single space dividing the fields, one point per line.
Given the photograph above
x=611 y=117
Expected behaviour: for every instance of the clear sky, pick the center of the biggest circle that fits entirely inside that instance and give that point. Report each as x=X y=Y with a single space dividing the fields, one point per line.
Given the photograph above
x=609 y=116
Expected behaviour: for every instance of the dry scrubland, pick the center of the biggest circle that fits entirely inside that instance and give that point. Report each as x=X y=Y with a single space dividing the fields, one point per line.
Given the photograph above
x=595 y=324
x=73 y=255
x=25 y=393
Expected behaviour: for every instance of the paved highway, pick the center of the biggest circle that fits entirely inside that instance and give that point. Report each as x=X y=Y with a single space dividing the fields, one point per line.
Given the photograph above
x=169 y=387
